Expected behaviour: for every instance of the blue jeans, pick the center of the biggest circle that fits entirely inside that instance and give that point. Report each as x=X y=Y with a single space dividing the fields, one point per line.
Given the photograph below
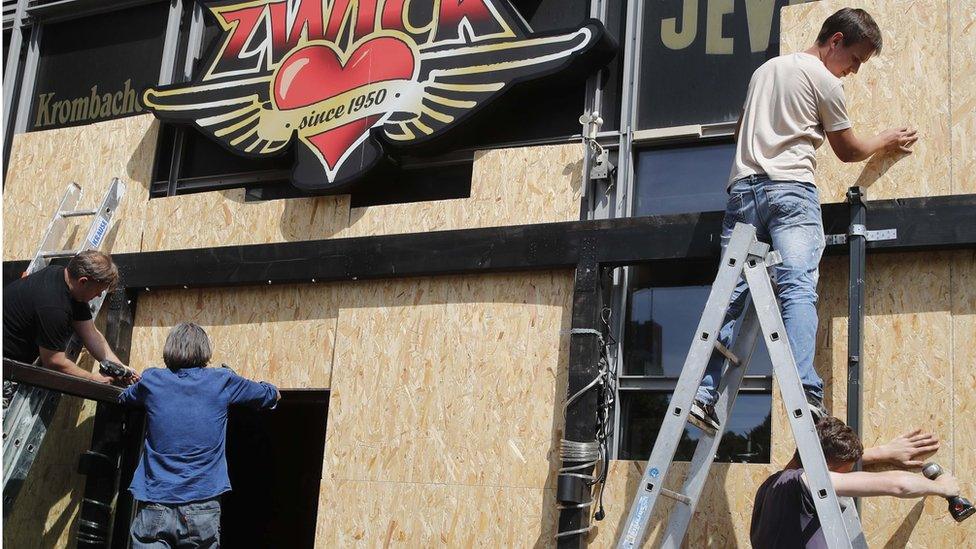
x=787 y=215
x=171 y=525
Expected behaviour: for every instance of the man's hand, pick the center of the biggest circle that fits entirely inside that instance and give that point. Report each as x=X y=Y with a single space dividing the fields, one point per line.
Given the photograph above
x=97 y=377
x=906 y=451
x=948 y=484
x=898 y=139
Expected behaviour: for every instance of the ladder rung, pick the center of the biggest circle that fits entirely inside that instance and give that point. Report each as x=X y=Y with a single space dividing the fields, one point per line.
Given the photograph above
x=58 y=253
x=676 y=496
x=79 y=213
x=727 y=353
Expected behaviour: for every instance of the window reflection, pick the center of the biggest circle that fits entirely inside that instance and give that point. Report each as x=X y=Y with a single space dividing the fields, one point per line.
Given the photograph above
x=682 y=179
x=747 y=439
x=661 y=322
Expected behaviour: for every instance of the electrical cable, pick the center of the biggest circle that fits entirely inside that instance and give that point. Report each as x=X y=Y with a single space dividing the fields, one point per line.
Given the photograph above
x=593 y=453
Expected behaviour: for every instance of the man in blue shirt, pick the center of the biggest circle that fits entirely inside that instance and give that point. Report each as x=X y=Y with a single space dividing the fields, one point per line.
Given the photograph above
x=183 y=470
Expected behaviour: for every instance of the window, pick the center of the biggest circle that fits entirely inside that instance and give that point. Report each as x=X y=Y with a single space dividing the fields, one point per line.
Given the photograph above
x=663 y=310
x=95 y=68
x=682 y=179
x=697 y=57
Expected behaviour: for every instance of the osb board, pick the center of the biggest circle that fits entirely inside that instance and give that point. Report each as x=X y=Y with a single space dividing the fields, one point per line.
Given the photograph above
x=453 y=380
x=47 y=507
x=723 y=514
x=508 y=187
x=280 y=334
x=43 y=163
x=222 y=218
x=385 y=514
x=962 y=51
x=906 y=85
x=963 y=404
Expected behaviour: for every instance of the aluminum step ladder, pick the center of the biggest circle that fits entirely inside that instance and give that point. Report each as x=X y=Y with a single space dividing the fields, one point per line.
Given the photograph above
x=744 y=256
x=31 y=409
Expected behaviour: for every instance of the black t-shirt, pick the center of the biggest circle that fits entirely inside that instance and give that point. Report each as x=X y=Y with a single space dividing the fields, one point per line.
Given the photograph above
x=37 y=312
x=784 y=514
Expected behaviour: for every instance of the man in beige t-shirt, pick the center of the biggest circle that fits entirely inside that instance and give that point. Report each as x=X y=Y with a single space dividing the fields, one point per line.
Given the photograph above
x=794 y=102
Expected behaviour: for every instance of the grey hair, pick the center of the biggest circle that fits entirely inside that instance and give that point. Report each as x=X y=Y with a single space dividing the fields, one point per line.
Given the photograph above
x=187 y=346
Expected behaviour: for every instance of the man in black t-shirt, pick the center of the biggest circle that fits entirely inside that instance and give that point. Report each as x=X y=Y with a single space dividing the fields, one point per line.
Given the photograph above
x=784 y=514
x=43 y=309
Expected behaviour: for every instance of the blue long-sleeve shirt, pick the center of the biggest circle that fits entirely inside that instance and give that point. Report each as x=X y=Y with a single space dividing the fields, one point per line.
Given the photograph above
x=185 y=449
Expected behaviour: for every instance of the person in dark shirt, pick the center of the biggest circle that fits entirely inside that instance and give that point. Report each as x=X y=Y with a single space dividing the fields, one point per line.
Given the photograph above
x=784 y=515
x=183 y=470
x=43 y=309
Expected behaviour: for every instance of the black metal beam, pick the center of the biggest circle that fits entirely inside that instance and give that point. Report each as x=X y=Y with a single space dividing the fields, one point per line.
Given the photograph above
x=942 y=222
x=56 y=381
x=110 y=432
x=573 y=492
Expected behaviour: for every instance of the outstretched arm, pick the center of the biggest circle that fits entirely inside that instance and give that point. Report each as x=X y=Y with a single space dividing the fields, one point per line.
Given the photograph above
x=850 y=148
x=58 y=361
x=899 y=484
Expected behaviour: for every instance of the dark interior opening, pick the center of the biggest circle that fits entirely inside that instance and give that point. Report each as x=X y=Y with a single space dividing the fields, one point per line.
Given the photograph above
x=274 y=458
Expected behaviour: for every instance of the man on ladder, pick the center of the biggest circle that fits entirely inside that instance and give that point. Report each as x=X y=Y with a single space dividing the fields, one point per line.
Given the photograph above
x=793 y=102
x=43 y=309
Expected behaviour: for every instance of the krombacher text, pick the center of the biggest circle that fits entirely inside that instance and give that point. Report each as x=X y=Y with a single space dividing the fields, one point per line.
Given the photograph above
x=94 y=106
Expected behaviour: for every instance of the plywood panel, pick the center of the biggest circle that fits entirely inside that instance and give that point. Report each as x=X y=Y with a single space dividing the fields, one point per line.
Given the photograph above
x=385 y=514
x=43 y=163
x=962 y=460
x=45 y=513
x=906 y=85
x=280 y=334
x=508 y=187
x=722 y=518
x=962 y=63
x=455 y=380
x=222 y=218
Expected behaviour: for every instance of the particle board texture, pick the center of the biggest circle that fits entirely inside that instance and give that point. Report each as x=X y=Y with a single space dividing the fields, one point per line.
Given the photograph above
x=907 y=84
x=723 y=514
x=280 y=334
x=46 y=511
x=223 y=218
x=509 y=187
x=962 y=94
x=515 y=186
x=446 y=411
x=42 y=164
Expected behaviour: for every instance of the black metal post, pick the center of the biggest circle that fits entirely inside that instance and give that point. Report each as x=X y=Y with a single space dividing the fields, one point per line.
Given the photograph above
x=573 y=492
x=856 y=241
x=101 y=463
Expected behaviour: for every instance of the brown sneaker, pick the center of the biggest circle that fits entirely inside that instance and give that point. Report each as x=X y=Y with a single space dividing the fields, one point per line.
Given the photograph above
x=703 y=416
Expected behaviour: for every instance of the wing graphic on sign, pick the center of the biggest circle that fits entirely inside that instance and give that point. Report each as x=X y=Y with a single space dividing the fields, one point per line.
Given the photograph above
x=235 y=113
x=456 y=80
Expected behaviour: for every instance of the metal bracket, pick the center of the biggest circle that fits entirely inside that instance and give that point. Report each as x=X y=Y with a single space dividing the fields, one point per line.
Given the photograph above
x=601 y=166
x=860 y=230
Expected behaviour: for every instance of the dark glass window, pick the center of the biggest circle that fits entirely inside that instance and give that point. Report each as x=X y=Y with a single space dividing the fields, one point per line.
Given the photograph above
x=697 y=58
x=682 y=179
x=661 y=322
x=747 y=439
x=95 y=68
x=664 y=305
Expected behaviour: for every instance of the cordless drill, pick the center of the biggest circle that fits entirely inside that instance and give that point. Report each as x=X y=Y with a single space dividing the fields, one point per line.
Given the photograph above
x=959 y=507
x=114 y=369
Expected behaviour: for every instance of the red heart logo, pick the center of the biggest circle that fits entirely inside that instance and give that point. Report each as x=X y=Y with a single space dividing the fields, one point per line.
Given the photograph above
x=313 y=73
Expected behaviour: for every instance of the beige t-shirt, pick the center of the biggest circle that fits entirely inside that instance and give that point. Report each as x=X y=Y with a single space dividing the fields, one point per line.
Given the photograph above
x=792 y=100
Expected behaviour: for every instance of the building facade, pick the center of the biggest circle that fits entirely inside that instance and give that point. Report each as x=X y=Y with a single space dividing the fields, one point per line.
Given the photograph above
x=427 y=409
